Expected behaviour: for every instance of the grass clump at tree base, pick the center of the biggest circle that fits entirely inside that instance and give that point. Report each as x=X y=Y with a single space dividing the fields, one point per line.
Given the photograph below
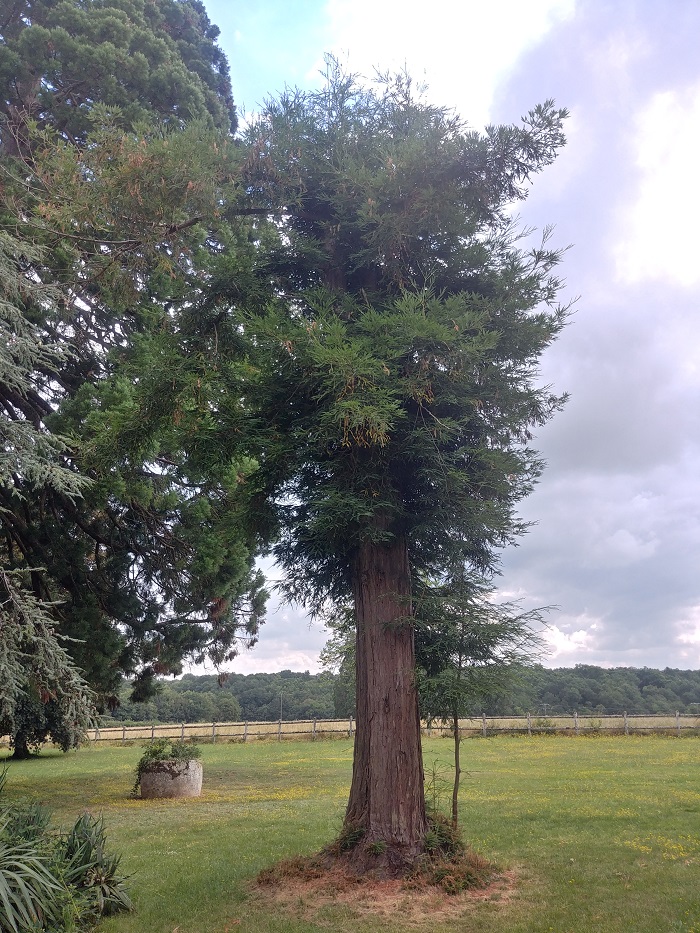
x=446 y=863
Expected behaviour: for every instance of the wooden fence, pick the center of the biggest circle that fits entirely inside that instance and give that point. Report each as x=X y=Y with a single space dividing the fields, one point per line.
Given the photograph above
x=228 y=731
x=620 y=724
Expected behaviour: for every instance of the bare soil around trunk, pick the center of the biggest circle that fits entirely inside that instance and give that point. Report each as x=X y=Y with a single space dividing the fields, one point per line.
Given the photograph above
x=308 y=887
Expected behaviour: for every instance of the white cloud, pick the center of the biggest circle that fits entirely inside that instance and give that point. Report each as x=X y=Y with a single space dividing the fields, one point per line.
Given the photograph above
x=623 y=548
x=658 y=235
x=462 y=48
x=689 y=636
x=280 y=658
x=568 y=645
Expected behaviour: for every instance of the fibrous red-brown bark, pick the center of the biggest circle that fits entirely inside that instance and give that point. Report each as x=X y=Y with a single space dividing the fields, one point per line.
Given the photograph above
x=386 y=797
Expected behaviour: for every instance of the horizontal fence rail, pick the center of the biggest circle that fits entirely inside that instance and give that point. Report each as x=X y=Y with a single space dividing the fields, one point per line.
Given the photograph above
x=619 y=724
x=228 y=731
x=589 y=724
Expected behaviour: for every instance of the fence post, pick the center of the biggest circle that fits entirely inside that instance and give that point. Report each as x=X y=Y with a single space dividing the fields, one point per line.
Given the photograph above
x=627 y=725
x=678 y=723
x=529 y=723
x=213 y=732
x=483 y=724
x=245 y=731
x=182 y=732
x=153 y=731
x=279 y=731
x=313 y=734
x=576 y=722
x=123 y=733
x=97 y=733
x=350 y=729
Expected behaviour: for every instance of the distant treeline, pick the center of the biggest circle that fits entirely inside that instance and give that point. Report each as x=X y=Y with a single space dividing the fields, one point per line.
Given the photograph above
x=255 y=697
x=292 y=695
x=589 y=689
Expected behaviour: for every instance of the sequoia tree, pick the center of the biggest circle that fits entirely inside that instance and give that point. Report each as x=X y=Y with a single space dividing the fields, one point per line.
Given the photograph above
x=61 y=58
x=396 y=386
x=115 y=123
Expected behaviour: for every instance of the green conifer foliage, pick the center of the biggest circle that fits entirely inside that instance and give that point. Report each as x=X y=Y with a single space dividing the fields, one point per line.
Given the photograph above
x=405 y=326
x=115 y=122
x=147 y=59
x=42 y=693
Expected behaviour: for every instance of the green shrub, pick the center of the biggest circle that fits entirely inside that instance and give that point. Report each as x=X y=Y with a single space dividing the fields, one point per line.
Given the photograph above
x=442 y=837
x=464 y=872
x=447 y=862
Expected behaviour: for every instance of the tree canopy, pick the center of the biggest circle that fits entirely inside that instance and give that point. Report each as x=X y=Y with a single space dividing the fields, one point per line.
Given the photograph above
x=115 y=122
x=61 y=58
x=402 y=391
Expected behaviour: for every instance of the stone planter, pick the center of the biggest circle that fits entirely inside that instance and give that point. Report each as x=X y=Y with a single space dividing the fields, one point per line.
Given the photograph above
x=170 y=778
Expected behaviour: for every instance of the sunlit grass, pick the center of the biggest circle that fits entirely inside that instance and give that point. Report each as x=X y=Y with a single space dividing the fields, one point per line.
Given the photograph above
x=604 y=833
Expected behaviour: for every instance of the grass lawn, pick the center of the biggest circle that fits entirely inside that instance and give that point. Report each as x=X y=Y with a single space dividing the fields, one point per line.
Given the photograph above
x=603 y=833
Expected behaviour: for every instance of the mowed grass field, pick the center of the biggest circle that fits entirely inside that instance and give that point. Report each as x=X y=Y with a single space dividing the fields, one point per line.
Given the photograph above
x=602 y=833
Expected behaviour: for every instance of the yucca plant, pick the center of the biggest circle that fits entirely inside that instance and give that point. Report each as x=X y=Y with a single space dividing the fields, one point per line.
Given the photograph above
x=52 y=880
x=29 y=892
x=89 y=869
x=24 y=822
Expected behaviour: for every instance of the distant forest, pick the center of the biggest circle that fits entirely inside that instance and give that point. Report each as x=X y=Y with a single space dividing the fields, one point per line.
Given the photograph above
x=291 y=695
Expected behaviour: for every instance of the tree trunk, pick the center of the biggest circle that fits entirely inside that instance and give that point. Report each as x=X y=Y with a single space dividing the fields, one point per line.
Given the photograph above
x=21 y=748
x=387 y=803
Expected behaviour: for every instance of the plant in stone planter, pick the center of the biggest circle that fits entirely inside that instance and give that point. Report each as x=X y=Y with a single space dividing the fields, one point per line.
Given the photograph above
x=169 y=768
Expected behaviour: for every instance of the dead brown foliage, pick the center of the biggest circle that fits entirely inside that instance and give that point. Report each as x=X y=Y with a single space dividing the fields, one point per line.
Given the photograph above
x=306 y=887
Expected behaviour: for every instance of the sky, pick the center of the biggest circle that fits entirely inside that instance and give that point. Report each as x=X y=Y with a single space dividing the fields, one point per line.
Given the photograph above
x=615 y=540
